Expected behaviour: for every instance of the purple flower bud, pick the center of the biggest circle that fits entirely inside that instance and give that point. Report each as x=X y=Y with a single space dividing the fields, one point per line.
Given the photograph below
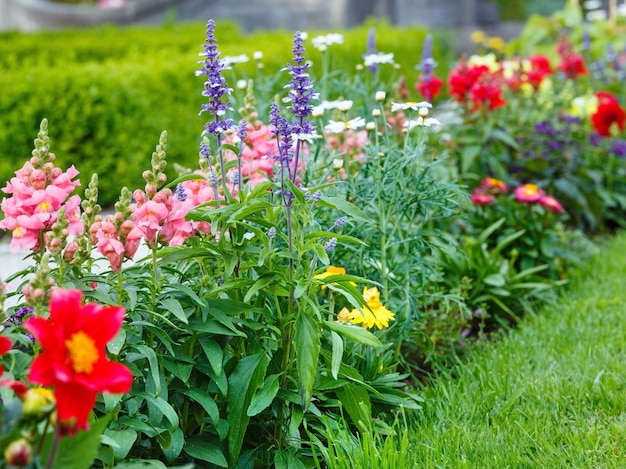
x=271 y=232
x=213 y=180
x=205 y=150
x=242 y=130
x=330 y=245
x=181 y=193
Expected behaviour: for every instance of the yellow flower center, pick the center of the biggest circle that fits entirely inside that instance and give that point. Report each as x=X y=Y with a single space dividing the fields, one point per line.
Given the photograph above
x=82 y=352
x=531 y=189
x=18 y=232
x=44 y=207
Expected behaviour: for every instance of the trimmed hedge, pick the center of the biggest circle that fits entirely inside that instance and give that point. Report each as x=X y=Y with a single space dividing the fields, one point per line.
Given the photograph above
x=109 y=92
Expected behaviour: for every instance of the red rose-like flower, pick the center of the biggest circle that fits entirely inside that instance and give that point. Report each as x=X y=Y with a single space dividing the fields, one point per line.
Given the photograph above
x=73 y=358
x=609 y=112
x=539 y=68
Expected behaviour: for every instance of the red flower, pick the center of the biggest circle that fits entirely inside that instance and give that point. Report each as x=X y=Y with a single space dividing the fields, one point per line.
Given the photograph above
x=609 y=112
x=5 y=346
x=539 y=68
x=429 y=89
x=73 y=359
x=486 y=93
x=572 y=64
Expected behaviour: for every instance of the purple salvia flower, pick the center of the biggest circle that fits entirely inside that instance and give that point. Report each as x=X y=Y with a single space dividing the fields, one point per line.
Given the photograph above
x=242 y=129
x=215 y=87
x=301 y=86
x=330 y=245
x=340 y=222
x=619 y=148
x=428 y=63
x=180 y=193
x=271 y=232
x=371 y=47
x=205 y=150
x=317 y=196
x=213 y=179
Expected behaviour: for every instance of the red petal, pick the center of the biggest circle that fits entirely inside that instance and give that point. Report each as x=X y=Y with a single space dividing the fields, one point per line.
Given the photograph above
x=5 y=344
x=107 y=376
x=74 y=401
x=104 y=324
x=44 y=332
x=65 y=308
x=41 y=371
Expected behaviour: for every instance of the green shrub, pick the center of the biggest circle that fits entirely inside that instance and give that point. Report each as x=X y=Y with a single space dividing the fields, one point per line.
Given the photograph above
x=124 y=86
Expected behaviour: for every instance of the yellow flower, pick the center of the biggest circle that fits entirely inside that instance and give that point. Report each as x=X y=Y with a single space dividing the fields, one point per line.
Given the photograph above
x=496 y=43
x=344 y=316
x=374 y=313
x=478 y=36
x=330 y=270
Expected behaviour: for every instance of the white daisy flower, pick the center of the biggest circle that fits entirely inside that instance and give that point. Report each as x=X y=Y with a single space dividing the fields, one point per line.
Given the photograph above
x=421 y=122
x=413 y=106
x=327 y=40
x=338 y=127
x=235 y=59
x=378 y=58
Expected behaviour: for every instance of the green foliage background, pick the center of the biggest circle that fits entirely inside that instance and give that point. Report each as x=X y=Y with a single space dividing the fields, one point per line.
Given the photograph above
x=109 y=92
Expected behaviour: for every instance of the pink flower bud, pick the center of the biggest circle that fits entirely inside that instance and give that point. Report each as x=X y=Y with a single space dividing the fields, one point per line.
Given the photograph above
x=70 y=250
x=51 y=156
x=19 y=453
x=55 y=173
x=35 y=161
x=38 y=179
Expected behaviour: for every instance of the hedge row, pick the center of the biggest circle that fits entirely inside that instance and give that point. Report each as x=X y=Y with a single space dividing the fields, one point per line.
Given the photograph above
x=109 y=92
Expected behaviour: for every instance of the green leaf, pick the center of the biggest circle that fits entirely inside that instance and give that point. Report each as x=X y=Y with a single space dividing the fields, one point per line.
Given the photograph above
x=79 y=451
x=115 y=346
x=164 y=407
x=356 y=333
x=150 y=355
x=124 y=440
x=468 y=155
x=495 y=280
x=337 y=353
x=205 y=451
x=258 y=285
x=346 y=207
x=207 y=403
x=175 y=446
x=246 y=378
x=357 y=403
x=264 y=397
x=173 y=306
x=308 y=343
x=213 y=352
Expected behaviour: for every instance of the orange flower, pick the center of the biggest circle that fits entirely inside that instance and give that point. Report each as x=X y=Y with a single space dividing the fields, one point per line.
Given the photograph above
x=73 y=360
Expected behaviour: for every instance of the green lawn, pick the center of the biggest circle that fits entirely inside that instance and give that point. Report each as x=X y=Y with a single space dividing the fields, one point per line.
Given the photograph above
x=552 y=394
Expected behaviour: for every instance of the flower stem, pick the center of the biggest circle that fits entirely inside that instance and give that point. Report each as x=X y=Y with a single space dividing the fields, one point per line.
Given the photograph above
x=55 y=446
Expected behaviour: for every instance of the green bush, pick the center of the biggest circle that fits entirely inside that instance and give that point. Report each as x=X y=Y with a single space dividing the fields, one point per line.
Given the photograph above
x=110 y=92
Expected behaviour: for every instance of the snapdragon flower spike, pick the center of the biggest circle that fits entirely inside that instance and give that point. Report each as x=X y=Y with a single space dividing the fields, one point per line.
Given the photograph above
x=215 y=87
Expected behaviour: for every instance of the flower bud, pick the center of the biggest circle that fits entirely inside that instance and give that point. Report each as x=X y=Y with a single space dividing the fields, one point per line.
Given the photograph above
x=37 y=401
x=376 y=113
x=19 y=453
x=380 y=96
x=370 y=126
x=257 y=55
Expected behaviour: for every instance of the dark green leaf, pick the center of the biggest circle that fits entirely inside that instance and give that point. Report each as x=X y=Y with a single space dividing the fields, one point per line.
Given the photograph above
x=307 y=341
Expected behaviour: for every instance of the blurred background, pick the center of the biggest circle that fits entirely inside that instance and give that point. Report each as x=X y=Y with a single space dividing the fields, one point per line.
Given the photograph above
x=269 y=14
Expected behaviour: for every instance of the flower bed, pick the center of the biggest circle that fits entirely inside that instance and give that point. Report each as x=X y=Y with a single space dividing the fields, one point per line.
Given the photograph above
x=332 y=244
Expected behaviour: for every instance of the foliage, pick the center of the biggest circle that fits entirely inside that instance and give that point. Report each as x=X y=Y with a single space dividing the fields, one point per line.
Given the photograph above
x=107 y=91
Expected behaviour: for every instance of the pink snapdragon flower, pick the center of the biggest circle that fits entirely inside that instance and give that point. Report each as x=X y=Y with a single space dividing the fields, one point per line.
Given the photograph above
x=36 y=196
